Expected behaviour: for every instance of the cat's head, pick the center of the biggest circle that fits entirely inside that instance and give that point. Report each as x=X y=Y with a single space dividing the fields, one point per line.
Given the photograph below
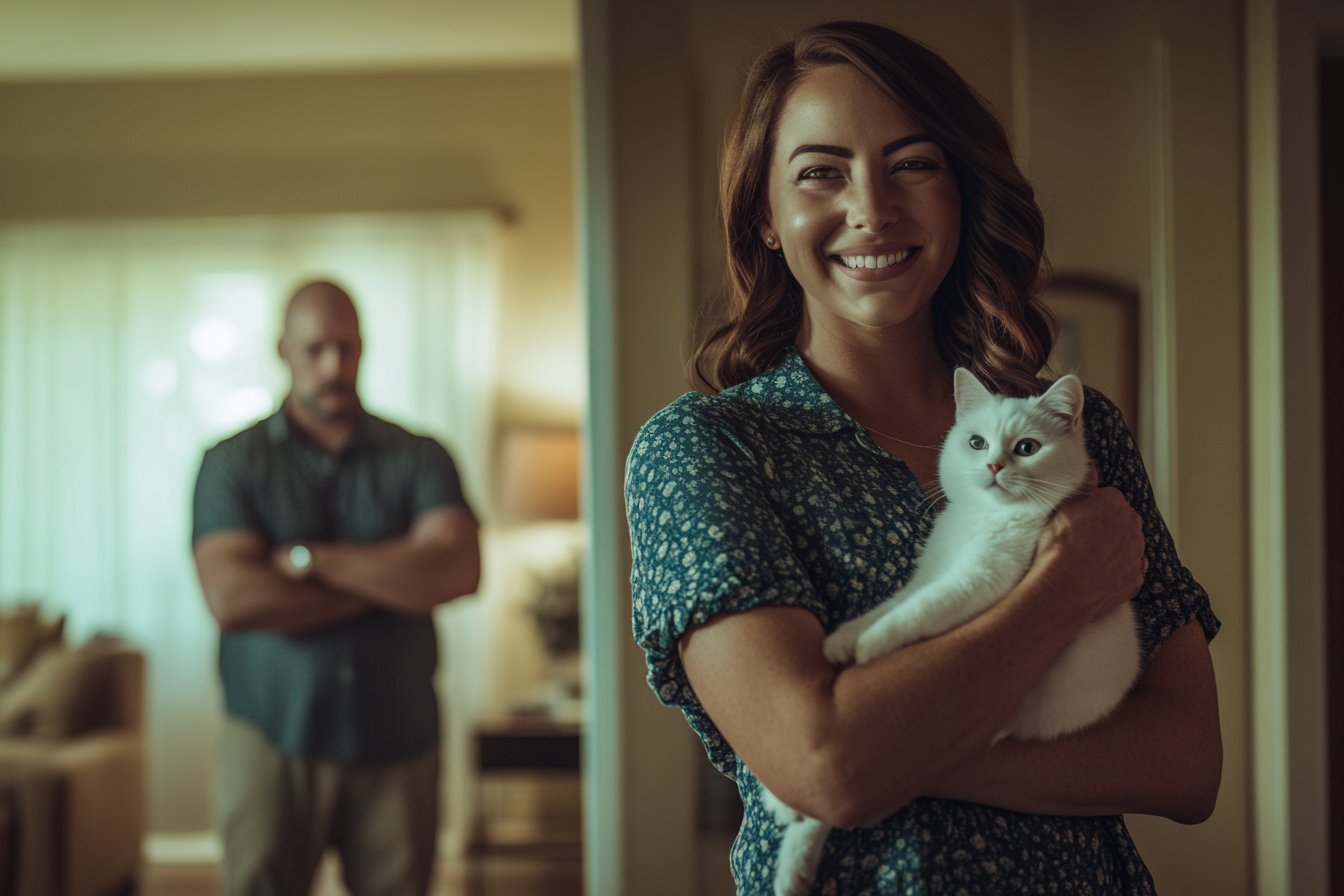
x=1014 y=450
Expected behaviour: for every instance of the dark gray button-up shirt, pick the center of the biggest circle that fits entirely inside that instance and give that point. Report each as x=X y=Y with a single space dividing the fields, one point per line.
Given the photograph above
x=356 y=691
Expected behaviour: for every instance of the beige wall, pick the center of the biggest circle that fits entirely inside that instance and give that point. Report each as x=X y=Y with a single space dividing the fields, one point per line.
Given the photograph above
x=428 y=140
x=356 y=142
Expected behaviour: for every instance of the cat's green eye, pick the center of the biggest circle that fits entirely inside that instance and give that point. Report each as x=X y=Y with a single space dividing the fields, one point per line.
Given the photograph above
x=979 y=443
x=1028 y=447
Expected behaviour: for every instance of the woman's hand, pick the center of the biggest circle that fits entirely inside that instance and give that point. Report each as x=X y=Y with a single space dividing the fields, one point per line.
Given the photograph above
x=1091 y=551
x=1159 y=753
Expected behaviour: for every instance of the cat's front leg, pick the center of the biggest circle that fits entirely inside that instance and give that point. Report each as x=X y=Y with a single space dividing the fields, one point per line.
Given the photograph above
x=838 y=647
x=896 y=629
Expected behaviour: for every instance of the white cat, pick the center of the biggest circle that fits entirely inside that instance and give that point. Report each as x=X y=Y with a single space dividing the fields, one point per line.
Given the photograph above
x=1006 y=464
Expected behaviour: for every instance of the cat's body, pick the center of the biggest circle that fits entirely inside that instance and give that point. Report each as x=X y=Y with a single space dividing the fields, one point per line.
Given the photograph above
x=1005 y=466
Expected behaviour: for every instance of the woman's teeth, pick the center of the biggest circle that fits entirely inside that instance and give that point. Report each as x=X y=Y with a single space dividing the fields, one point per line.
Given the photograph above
x=875 y=261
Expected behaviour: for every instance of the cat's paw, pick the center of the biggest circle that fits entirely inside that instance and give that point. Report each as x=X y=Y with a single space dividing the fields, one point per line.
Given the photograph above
x=838 y=647
x=881 y=640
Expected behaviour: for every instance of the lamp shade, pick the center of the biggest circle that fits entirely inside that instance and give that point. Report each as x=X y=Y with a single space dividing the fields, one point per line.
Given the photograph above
x=539 y=475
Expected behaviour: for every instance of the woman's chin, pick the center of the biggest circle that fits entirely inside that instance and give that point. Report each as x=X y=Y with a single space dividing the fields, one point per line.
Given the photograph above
x=874 y=312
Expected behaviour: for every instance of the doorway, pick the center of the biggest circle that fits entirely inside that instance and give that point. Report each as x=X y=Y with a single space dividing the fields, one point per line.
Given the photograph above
x=1331 y=96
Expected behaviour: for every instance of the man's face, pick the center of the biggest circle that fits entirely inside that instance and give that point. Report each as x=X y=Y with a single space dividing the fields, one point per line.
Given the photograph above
x=322 y=347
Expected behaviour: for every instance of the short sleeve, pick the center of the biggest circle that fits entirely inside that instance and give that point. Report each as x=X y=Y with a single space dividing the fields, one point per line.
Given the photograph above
x=435 y=482
x=219 y=502
x=705 y=538
x=1170 y=597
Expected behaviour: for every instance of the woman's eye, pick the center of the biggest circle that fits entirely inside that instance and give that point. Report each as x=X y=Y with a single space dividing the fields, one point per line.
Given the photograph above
x=1028 y=447
x=820 y=172
x=916 y=165
x=979 y=443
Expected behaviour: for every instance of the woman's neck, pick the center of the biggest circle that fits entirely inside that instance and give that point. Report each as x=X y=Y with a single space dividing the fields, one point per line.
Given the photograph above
x=892 y=381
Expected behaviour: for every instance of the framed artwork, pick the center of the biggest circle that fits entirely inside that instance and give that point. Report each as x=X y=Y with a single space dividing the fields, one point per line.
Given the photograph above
x=1098 y=335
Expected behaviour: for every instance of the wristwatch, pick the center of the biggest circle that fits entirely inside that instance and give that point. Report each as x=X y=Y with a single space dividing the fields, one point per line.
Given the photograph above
x=301 y=559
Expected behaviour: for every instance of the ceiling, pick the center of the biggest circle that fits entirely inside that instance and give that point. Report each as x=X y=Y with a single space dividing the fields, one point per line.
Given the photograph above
x=80 y=39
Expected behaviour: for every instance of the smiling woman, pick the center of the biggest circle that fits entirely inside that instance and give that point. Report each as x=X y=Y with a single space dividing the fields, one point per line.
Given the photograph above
x=880 y=235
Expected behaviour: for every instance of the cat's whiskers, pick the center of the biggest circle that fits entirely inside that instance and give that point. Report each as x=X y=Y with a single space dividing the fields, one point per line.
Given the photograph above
x=1043 y=494
x=933 y=496
x=1047 y=487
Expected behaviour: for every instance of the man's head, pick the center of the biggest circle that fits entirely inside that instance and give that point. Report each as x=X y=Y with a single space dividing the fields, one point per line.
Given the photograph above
x=322 y=346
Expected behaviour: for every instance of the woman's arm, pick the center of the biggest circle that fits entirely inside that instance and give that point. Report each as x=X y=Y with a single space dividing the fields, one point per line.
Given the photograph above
x=852 y=746
x=1159 y=753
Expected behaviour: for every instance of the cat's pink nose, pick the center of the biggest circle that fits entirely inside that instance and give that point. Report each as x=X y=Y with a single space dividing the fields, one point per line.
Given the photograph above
x=995 y=468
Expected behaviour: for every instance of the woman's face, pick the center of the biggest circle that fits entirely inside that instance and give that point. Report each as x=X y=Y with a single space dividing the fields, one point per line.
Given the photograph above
x=864 y=205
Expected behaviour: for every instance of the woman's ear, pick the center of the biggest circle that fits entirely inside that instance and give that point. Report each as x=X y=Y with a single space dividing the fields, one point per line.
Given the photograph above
x=768 y=235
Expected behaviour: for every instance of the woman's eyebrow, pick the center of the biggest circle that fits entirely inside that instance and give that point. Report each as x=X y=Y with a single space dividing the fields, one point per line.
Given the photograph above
x=844 y=153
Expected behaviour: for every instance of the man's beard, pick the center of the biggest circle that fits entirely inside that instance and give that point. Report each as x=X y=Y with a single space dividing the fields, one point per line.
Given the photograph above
x=314 y=405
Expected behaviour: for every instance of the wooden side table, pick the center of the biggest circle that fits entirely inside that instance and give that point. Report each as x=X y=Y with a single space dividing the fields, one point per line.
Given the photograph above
x=526 y=746
x=526 y=743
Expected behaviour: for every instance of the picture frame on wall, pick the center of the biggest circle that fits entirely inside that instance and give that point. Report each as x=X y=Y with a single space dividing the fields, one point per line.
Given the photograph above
x=1098 y=336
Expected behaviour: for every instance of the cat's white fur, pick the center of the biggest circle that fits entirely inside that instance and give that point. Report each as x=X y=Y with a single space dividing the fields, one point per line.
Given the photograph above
x=980 y=547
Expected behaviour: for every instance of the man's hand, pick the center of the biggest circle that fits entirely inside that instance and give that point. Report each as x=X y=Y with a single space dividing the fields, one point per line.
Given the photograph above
x=245 y=587
x=438 y=560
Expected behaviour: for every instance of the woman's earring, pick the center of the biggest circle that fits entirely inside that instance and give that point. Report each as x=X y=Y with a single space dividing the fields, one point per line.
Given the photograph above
x=770 y=241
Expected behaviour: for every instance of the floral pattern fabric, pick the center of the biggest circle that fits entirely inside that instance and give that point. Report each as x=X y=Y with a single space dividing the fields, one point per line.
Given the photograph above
x=769 y=494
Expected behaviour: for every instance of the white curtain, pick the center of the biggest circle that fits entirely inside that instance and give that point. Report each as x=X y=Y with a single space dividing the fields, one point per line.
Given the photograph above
x=127 y=348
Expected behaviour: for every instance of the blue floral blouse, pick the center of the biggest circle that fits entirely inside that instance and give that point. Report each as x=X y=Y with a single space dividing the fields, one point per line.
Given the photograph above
x=769 y=494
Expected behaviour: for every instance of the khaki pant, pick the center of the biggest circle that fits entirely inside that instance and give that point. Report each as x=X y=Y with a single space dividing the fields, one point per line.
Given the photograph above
x=277 y=814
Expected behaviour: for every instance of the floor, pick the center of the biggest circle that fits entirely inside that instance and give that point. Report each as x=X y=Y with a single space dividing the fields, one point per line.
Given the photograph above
x=529 y=844
x=559 y=873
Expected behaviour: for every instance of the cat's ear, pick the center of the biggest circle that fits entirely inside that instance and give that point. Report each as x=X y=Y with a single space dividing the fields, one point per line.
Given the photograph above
x=1065 y=398
x=968 y=391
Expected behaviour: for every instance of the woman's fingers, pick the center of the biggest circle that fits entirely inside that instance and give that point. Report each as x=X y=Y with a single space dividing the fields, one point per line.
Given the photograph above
x=1095 y=545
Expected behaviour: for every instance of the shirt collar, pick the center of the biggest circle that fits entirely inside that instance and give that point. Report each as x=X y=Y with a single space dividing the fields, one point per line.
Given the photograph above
x=279 y=429
x=790 y=388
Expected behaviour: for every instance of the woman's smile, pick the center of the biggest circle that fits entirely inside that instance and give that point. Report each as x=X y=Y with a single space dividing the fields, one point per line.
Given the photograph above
x=869 y=266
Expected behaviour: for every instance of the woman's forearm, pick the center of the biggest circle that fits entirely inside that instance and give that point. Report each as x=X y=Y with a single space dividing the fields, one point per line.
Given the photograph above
x=907 y=720
x=1159 y=753
x=852 y=746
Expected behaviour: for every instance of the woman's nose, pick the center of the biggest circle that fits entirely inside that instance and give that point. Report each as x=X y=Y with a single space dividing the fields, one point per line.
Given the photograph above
x=874 y=203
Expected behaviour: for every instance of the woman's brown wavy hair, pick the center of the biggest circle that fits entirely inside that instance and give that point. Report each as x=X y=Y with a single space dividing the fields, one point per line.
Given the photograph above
x=986 y=314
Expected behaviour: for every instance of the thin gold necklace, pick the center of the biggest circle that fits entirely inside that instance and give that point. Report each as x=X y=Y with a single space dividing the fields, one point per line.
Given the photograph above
x=878 y=432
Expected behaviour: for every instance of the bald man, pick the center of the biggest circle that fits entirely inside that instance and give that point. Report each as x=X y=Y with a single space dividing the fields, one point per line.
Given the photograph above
x=323 y=538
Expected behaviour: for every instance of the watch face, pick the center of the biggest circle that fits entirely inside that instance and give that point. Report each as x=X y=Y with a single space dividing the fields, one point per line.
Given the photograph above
x=300 y=557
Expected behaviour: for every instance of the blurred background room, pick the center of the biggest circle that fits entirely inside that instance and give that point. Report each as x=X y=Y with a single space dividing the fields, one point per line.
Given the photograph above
x=168 y=175
x=521 y=196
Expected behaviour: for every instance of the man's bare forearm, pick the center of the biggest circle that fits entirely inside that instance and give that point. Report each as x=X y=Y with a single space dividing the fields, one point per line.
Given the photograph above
x=398 y=574
x=262 y=598
x=245 y=590
x=439 y=560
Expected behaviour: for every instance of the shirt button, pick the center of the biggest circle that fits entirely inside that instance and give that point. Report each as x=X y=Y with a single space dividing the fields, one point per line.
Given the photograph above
x=345 y=674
